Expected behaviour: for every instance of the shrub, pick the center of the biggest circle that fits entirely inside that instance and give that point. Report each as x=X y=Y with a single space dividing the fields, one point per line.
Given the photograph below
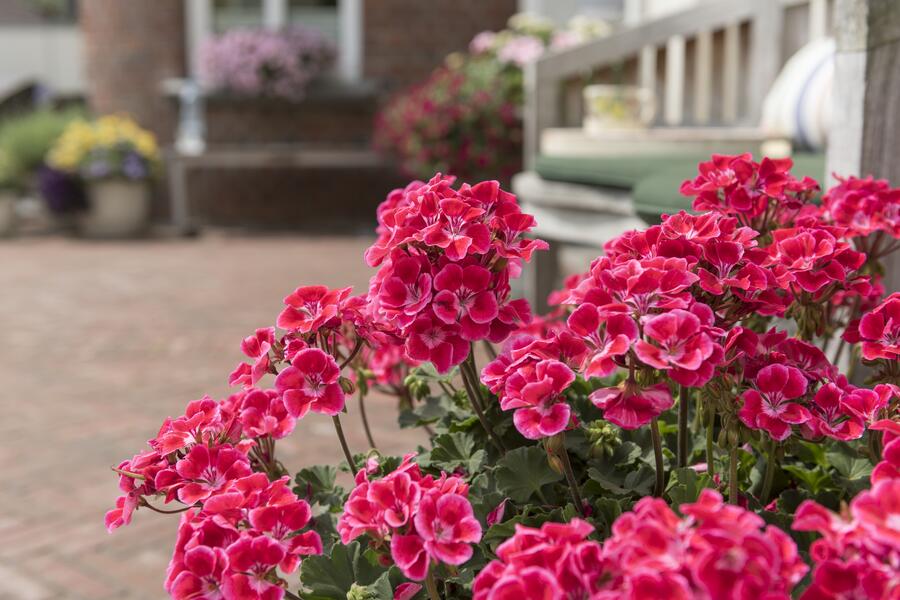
x=591 y=456
x=26 y=139
x=259 y=62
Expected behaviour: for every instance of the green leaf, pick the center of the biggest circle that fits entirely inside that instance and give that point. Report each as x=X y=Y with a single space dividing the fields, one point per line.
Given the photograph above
x=815 y=480
x=331 y=577
x=431 y=410
x=317 y=485
x=850 y=467
x=455 y=450
x=685 y=485
x=523 y=472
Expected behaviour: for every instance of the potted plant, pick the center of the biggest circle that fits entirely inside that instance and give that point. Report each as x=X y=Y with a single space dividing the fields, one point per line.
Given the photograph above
x=677 y=427
x=116 y=159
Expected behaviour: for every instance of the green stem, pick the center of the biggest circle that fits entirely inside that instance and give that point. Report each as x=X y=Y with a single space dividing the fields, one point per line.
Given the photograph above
x=769 y=477
x=710 y=447
x=365 y=420
x=570 y=476
x=683 y=418
x=340 y=433
x=658 y=457
x=431 y=586
x=732 y=476
x=470 y=381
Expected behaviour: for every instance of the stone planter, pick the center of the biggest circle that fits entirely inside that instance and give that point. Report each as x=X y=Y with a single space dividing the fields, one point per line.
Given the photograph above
x=610 y=107
x=116 y=208
x=7 y=213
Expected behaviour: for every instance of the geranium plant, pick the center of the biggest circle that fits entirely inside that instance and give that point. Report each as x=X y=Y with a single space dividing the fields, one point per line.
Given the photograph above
x=677 y=427
x=262 y=62
x=465 y=118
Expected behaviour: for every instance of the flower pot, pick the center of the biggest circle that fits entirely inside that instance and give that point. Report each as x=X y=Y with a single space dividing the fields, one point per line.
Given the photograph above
x=7 y=213
x=617 y=107
x=116 y=208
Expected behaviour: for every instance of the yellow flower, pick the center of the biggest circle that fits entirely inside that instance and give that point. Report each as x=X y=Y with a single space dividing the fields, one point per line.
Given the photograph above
x=109 y=132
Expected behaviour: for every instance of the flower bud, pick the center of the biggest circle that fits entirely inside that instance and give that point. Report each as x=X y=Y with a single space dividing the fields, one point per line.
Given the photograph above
x=347 y=385
x=555 y=463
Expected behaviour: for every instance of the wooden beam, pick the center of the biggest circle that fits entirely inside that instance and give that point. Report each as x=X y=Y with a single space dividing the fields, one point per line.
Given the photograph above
x=563 y=64
x=731 y=73
x=703 y=74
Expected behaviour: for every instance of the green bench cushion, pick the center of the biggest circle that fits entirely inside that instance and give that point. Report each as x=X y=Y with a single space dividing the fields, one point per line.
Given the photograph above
x=658 y=194
x=611 y=171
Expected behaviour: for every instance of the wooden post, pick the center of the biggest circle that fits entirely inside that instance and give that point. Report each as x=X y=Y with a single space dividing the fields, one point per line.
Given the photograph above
x=866 y=131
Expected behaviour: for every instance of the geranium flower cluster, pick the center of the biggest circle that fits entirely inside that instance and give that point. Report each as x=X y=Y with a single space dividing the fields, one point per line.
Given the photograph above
x=530 y=377
x=863 y=207
x=446 y=257
x=414 y=519
x=878 y=331
x=790 y=383
x=716 y=551
x=858 y=555
x=241 y=542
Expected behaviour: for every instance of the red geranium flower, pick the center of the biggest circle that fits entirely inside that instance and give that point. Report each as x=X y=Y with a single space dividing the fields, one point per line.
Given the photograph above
x=309 y=308
x=311 y=383
x=769 y=406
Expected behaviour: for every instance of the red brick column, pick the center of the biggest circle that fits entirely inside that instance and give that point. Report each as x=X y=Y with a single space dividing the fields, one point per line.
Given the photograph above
x=130 y=48
x=406 y=39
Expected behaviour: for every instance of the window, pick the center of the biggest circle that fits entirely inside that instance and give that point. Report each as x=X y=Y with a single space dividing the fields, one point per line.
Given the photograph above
x=229 y=14
x=318 y=14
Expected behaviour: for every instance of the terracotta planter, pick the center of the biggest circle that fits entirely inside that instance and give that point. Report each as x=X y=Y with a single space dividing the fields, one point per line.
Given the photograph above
x=116 y=208
x=7 y=213
x=617 y=107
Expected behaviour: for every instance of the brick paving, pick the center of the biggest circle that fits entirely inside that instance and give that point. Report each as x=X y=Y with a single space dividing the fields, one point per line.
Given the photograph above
x=100 y=342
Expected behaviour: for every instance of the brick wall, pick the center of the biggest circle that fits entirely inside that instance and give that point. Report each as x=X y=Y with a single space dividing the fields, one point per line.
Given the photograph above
x=130 y=48
x=405 y=39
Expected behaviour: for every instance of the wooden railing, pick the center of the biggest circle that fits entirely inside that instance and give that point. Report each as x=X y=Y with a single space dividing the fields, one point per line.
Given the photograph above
x=731 y=49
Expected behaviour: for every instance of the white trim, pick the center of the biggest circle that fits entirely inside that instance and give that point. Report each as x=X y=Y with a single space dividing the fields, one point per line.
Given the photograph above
x=350 y=39
x=274 y=14
x=199 y=18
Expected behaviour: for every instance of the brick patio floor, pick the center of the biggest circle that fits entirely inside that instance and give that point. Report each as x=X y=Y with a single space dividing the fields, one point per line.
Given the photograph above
x=100 y=342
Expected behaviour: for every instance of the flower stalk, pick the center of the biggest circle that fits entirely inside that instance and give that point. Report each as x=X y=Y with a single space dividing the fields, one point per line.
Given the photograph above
x=683 y=433
x=732 y=475
x=340 y=434
x=470 y=380
x=658 y=458
x=365 y=420
x=769 y=477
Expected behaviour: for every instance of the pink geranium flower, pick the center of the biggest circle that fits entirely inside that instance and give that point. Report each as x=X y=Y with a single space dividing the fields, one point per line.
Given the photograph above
x=395 y=497
x=609 y=334
x=679 y=341
x=202 y=575
x=311 y=383
x=464 y=296
x=282 y=523
x=430 y=339
x=448 y=527
x=202 y=472
x=769 y=406
x=309 y=308
x=879 y=330
x=458 y=230
x=405 y=288
x=257 y=347
x=535 y=393
x=252 y=561
x=629 y=406
x=263 y=413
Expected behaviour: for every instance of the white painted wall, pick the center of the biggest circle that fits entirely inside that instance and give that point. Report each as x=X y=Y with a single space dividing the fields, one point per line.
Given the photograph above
x=52 y=54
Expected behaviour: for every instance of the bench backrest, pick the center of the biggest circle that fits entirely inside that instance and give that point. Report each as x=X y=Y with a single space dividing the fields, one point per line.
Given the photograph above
x=711 y=64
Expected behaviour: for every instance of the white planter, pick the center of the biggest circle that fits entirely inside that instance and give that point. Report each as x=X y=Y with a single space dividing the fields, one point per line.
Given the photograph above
x=7 y=213
x=116 y=208
x=611 y=107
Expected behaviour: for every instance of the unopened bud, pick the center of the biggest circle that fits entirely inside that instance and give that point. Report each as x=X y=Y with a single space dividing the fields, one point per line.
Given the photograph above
x=347 y=385
x=555 y=463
